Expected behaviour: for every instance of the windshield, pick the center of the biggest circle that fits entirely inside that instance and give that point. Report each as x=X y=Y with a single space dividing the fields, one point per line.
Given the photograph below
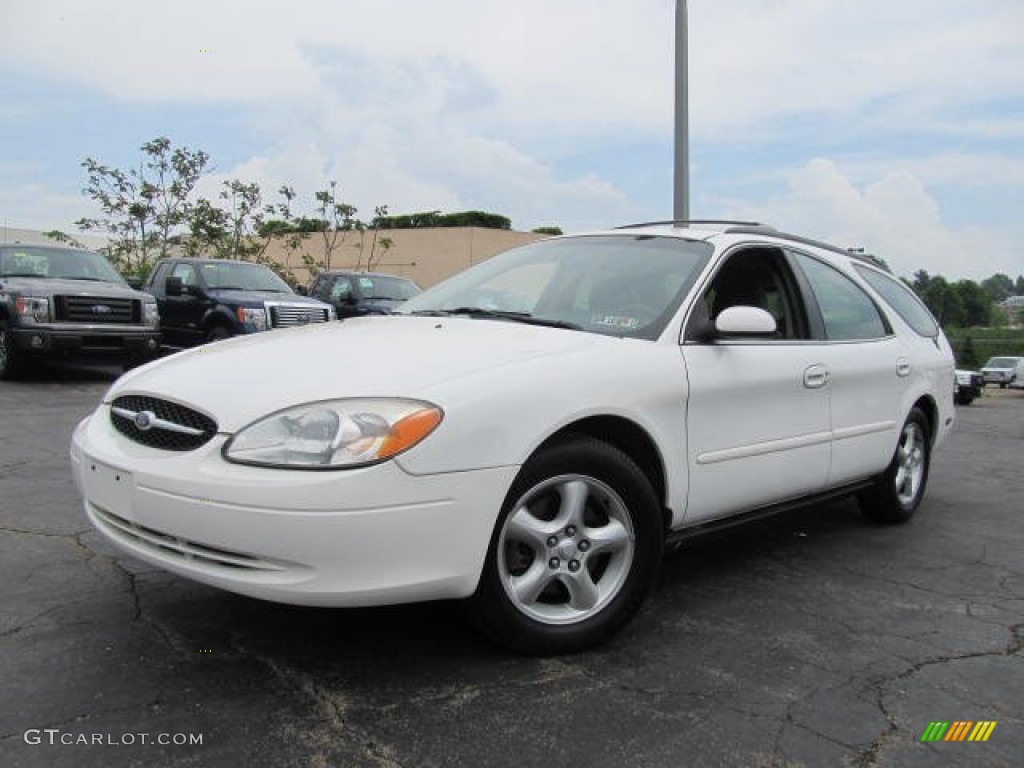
x=1002 y=362
x=384 y=287
x=616 y=285
x=240 y=276
x=64 y=263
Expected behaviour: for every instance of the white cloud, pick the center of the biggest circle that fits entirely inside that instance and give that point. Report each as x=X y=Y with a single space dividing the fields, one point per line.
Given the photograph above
x=443 y=105
x=893 y=217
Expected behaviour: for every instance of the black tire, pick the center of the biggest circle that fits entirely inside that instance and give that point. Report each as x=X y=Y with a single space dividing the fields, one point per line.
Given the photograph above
x=898 y=491
x=11 y=364
x=581 y=535
x=219 y=333
x=1002 y=385
x=964 y=399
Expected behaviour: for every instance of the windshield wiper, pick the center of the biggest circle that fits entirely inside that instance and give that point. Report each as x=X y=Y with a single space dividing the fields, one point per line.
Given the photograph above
x=499 y=314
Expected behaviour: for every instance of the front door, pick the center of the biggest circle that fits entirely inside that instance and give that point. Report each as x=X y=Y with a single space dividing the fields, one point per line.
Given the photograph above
x=758 y=411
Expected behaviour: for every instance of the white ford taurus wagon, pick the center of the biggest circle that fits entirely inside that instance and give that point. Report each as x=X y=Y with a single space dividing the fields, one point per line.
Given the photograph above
x=528 y=434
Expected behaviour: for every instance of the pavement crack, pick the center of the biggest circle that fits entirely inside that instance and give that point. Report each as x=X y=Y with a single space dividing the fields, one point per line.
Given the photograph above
x=333 y=710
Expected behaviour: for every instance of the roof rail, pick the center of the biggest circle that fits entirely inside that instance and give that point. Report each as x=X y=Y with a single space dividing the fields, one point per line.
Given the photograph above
x=687 y=222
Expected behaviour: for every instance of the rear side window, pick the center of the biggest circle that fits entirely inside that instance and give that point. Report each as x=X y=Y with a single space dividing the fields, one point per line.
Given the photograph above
x=848 y=312
x=902 y=299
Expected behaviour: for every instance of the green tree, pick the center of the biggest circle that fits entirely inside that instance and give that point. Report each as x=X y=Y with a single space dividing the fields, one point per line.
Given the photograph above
x=944 y=302
x=63 y=238
x=143 y=208
x=975 y=301
x=1018 y=287
x=998 y=287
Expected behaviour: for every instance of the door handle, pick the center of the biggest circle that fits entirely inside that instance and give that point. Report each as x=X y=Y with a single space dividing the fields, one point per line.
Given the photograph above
x=902 y=367
x=816 y=377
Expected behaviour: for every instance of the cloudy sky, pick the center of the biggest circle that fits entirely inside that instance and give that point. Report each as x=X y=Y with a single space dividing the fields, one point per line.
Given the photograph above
x=893 y=125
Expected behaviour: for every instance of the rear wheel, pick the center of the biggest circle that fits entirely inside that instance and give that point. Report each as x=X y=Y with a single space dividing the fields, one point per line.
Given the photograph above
x=575 y=550
x=897 y=492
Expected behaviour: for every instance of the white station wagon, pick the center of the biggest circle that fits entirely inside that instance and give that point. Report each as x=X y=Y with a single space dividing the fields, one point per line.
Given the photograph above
x=529 y=434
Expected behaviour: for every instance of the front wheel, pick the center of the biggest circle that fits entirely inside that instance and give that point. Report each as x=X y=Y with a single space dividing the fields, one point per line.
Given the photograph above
x=219 y=333
x=10 y=360
x=575 y=550
x=898 y=491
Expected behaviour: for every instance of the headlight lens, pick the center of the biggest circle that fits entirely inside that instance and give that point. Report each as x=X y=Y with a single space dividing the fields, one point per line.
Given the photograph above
x=33 y=308
x=257 y=318
x=334 y=434
x=150 y=314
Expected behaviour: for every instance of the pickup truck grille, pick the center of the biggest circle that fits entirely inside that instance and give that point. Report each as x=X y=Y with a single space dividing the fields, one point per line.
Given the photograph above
x=97 y=309
x=161 y=423
x=284 y=315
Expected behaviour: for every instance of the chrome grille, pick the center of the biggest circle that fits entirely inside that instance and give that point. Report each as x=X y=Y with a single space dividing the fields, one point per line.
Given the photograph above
x=285 y=315
x=96 y=309
x=161 y=423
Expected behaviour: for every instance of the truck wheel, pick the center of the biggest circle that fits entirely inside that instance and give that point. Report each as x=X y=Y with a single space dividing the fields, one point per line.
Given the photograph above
x=10 y=360
x=219 y=333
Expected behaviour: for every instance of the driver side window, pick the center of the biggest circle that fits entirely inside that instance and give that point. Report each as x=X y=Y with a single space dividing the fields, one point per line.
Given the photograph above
x=754 y=277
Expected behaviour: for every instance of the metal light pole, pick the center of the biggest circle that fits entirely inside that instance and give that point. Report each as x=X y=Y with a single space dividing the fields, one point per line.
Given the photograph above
x=681 y=187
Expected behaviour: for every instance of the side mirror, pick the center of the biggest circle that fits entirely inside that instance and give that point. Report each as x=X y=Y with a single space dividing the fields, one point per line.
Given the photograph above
x=173 y=286
x=302 y=290
x=738 y=322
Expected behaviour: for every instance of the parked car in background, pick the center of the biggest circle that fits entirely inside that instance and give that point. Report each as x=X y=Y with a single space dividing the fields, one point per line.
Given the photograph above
x=204 y=300
x=1003 y=370
x=968 y=386
x=68 y=302
x=655 y=382
x=1018 y=376
x=362 y=293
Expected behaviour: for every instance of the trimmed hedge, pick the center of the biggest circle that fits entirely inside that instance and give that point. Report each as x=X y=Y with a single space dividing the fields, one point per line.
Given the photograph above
x=974 y=346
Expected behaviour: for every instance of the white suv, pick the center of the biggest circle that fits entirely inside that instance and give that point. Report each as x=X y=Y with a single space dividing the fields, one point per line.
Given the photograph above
x=652 y=382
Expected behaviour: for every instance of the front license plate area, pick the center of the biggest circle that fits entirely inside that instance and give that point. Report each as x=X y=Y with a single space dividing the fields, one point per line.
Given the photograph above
x=109 y=488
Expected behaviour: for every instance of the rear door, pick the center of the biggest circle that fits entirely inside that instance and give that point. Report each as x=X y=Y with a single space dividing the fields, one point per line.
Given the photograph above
x=869 y=369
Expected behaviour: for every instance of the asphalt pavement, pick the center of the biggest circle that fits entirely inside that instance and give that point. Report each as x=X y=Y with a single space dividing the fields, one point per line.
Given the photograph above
x=810 y=639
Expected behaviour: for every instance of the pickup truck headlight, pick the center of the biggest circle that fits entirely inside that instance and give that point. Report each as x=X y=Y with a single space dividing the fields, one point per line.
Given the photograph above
x=150 y=314
x=35 y=309
x=334 y=434
x=257 y=318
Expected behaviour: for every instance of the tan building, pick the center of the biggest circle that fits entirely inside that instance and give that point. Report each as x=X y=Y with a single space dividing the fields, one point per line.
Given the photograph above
x=426 y=255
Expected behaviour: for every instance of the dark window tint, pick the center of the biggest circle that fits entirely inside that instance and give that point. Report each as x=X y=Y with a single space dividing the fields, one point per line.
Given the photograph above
x=902 y=299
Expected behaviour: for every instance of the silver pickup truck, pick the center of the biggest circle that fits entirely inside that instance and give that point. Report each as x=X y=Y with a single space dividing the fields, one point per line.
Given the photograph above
x=60 y=302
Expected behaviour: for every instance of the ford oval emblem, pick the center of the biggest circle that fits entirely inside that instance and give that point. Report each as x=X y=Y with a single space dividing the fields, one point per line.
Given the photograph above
x=144 y=420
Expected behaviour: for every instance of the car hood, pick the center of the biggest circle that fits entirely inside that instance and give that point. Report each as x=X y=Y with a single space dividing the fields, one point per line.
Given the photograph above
x=242 y=379
x=52 y=286
x=258 y=297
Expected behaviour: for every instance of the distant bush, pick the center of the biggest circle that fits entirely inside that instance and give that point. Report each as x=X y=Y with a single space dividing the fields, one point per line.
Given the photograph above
x=438 y=219
x=547 y=230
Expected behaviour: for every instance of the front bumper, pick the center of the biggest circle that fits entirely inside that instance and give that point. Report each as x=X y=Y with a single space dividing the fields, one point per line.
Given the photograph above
x=93 y=339
x=370 y=536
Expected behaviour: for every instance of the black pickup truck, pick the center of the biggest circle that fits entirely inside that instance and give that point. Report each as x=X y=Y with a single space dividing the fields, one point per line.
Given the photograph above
x=67 y=302
x=204 y=300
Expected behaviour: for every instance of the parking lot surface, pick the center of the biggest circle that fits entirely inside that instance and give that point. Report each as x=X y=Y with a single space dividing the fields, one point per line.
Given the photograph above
x=809 y=639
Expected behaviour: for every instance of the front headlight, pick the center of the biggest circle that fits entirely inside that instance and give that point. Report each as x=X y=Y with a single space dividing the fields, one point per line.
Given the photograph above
x=33 y=308
x=334 y=434
x=257 y=318
x=150 y=314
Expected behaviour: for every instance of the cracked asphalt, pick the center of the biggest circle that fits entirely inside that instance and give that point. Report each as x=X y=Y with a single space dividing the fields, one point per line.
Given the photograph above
x=810 y=639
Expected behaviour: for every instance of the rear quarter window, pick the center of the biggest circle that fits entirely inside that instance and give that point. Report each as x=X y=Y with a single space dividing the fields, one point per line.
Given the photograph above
x=903 y=301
